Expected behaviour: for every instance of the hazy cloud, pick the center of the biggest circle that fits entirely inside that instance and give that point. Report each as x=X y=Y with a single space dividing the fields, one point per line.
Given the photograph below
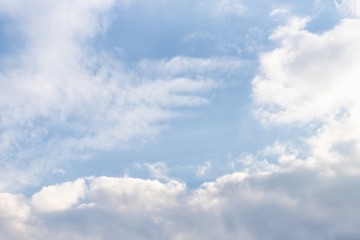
x=348 y=8
x=60 y=100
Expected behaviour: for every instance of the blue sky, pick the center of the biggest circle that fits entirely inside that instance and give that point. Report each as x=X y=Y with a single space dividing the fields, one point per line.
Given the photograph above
x=205 y=119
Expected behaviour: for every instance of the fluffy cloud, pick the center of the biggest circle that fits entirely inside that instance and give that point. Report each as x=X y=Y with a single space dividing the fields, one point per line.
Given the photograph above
x=311 y=80
x=58 y=198
x=301 y=204
x=315 y=73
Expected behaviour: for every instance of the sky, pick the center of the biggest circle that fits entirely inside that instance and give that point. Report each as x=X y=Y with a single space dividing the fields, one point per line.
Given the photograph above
x=180 y=120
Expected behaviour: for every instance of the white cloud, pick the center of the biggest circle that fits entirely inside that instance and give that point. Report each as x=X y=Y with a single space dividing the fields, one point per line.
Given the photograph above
x=234 y=7
x=60 y=100
x=15 y=217
x=310 y=76
x=305 y=204
x=58 y=197
x=204 y=170
x=131 y=194
x=279 y=12
x=311 y=80
x=157 y=170
x=223 y=8
x=348 y=8
x=192 y=66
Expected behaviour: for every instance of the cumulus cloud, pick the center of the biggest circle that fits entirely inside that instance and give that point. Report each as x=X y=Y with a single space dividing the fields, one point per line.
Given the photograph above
x=308 y=81
x=311 y=80
x=59 y=197
x=315 y=73
x=301 y=204
x=14 y=214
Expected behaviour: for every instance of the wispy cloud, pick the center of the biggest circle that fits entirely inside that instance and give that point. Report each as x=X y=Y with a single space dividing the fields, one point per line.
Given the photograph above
x=348 y=8
x=60 y=99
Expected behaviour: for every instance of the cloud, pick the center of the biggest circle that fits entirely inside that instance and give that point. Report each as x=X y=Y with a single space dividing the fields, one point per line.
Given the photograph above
x=283 y=192
x=15 y=213
x=300 y=204
x=195 y=67
x=222 y=8
x=349 y=8
x=315 y=73
x=204 y=170
x=157 y=170
x=310 y=80
x=282 y=11
x=61 y=99
x=59 y=197
x=230 y=7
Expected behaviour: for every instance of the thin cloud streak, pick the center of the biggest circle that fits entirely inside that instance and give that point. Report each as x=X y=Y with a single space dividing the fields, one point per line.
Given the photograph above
x=62 y=101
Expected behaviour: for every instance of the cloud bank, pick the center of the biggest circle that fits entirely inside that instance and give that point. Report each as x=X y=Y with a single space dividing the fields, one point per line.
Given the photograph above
x=301 y=204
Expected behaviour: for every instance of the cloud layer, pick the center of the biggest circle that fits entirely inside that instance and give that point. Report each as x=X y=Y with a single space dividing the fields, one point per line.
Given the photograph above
x=301 y=204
